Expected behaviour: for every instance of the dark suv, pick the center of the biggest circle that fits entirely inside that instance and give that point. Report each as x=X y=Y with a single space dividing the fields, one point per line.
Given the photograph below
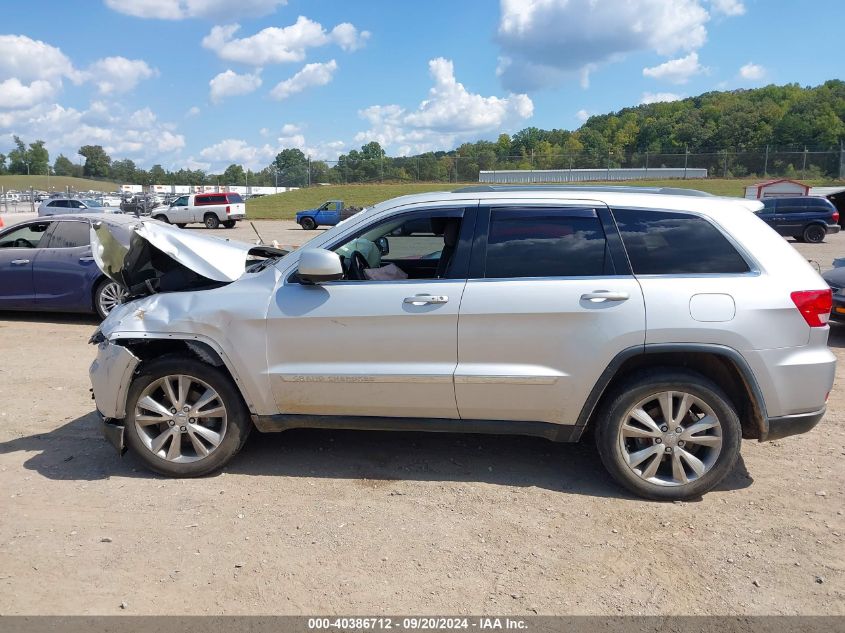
x=806 y=218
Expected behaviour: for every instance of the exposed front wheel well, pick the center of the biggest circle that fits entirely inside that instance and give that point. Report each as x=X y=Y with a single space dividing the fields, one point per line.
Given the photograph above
x=721 y=369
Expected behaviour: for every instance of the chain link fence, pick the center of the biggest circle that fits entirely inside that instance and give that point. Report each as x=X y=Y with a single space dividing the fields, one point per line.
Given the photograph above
x=442 y=167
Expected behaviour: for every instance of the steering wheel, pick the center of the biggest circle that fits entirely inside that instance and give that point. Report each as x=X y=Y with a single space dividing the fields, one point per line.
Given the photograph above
x=22 y=243
x=357 y=264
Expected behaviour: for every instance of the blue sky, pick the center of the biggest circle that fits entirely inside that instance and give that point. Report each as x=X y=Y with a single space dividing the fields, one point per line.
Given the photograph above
x=204 y=83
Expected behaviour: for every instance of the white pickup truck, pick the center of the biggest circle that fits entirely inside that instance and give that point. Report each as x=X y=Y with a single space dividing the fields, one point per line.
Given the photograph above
x=212 y=209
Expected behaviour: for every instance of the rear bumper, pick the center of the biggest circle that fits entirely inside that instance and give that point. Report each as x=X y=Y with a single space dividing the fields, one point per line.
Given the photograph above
x=833 y=228
x=792 y=424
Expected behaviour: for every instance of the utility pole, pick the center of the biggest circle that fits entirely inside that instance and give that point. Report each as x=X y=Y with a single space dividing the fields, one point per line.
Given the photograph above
x=804 y=165
x=686 y=160
x=841 y=160
x=646 y=163
x=309 y=171
x=766 y=164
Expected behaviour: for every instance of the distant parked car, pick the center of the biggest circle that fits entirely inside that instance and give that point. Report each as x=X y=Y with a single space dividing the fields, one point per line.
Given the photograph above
x=110 y=201
x=806 y=218
x=59 y=206
x=47 y=264
x=212 y=209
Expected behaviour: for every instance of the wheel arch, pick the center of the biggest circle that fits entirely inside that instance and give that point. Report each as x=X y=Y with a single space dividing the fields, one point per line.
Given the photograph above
x=147 y=349
x=723 y=365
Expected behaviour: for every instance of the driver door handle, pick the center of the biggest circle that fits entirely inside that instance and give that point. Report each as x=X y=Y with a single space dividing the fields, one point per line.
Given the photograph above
x=20 y=262
x=86 y=258
x=421 y=300
x=600 y=296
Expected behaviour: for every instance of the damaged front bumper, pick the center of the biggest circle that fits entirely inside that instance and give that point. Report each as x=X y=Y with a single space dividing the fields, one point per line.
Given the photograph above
x=111 y=374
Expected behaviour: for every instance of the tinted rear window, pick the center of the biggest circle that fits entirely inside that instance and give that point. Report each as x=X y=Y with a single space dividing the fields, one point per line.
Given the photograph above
x=546 y=243
x=671 y=243
x=70 y=234
x=216 y=198
x=234 y=198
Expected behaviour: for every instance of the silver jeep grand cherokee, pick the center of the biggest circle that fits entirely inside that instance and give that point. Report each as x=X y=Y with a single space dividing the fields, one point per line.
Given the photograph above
x=670 y=325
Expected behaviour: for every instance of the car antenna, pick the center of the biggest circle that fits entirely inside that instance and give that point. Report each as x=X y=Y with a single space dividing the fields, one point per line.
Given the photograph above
x=260 y=239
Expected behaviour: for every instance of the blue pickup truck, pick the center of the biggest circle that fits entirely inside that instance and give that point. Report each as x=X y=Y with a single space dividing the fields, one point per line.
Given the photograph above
x=327 y=214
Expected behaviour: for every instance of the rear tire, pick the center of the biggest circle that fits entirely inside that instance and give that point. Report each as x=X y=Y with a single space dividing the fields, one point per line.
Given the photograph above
x=229 y=224
x=645 y=453
x=161 y=218
x=211 y=221
x=181 y=225
x=814 y=234
x=107 y=295
x=207 y=443
x=308 y=224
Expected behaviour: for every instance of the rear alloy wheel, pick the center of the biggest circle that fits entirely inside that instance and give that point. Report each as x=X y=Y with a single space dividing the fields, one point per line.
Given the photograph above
x=161 y=218
x=184 y=418
x=229 y=224
x=669 y=435
x=814 y=234
x=107 y=296
x=308 y=224
x=211 y=221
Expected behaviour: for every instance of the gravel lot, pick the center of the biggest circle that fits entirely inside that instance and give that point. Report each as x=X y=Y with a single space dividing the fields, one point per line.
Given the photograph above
x=380 y=523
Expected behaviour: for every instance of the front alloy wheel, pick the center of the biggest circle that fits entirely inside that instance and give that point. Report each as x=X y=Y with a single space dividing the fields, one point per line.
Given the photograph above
x=185 y=418
x=180 y=418
x=107 y=296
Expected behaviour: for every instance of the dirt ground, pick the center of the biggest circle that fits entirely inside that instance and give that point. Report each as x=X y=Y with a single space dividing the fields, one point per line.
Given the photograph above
x=388 y=523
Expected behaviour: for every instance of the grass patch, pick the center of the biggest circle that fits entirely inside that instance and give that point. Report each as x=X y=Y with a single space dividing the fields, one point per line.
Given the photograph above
x=283 y=206
x=57 y=183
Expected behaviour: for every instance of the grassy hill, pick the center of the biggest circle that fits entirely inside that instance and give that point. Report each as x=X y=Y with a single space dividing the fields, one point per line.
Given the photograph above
x=57 y=183
x=283 y=206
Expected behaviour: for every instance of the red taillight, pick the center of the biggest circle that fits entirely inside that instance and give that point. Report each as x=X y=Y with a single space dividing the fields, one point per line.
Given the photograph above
x=836 y=217
x=228 y=210
x=814 y=305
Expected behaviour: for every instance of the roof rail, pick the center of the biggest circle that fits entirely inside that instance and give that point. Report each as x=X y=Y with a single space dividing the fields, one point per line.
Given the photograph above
x=671 y=191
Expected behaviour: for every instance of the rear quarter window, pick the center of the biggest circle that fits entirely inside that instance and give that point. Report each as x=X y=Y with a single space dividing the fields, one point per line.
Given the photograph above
x=234 y=198
x=672 y=243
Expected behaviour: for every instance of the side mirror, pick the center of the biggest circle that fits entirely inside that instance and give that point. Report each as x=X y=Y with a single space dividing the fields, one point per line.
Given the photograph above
x=383 y=245
x=317 y=265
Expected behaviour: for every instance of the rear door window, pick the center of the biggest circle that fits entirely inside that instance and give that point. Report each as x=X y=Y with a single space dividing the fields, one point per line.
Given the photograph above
x=672 y=243
x=546 y=243
x=70 y=234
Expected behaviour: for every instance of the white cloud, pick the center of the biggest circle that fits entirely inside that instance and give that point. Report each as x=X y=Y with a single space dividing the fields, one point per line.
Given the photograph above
x=449 y=113
x=182 y=9
x=231 y=84
x=659 y=97
x=752 y=72
x=275 y=45
x=15 y=95
x=582 y=116
x=238 y=151
x=118 y=74
x=546 y=41
x=728 y=7
x=192 y=112
x=134 y=134
x=676 y=71
x=317 y=74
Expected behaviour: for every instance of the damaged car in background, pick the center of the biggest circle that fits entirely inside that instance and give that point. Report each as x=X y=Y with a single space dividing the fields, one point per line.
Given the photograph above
x=498 y=311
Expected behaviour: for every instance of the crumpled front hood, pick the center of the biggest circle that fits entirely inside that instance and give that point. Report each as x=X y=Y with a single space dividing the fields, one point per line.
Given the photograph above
x=149 y=253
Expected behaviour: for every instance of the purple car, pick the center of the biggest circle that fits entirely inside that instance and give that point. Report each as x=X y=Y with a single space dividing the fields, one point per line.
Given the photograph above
x=47 y=264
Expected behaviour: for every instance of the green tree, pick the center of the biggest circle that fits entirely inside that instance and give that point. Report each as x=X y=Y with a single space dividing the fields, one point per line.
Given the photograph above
x=234 y=175
x=292 y=167
x=17 y=157
x=97 y=162
x=63 y=166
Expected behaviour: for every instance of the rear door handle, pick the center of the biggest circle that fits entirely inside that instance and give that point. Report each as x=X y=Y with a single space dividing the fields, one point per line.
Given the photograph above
x=600 y=296
x=86 y=258
x=421 y=300
x=20 y=262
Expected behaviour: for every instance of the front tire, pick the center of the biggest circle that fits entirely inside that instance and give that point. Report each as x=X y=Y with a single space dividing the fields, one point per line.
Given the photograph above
x=211 y=221
x=181 y=225
x=161 y=218
x=107 y=295
x=814 y=234
x=184 y=418
x=668 y=435
x=308 y=224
